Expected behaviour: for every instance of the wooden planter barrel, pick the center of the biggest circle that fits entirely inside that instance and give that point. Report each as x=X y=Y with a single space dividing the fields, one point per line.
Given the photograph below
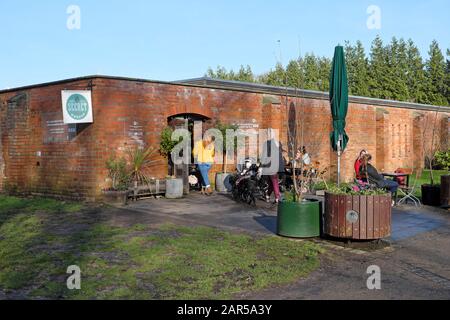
x=358 y=217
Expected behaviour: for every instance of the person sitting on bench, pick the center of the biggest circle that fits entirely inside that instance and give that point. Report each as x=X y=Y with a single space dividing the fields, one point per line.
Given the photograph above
x=372 y=175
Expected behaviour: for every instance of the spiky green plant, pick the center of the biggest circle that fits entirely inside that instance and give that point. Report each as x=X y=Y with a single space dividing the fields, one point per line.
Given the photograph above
x=117 y=169
x=140 y=160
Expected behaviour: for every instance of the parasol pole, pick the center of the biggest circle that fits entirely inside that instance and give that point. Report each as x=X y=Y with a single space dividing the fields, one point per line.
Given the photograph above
x=339 y=147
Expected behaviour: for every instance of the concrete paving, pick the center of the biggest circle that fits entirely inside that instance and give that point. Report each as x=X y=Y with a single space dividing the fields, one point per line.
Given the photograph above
x=416 y=264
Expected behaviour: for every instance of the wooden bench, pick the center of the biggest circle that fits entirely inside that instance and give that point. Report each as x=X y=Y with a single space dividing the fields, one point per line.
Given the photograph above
x=153 y=189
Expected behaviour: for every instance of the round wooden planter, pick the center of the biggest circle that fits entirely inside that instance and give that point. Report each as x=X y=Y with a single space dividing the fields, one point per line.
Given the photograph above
x=358 y=217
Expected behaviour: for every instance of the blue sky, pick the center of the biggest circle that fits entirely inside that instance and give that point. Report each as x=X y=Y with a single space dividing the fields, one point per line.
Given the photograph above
x=172 y=40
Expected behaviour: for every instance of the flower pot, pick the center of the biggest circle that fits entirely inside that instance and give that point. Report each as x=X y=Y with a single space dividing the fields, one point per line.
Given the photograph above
x=445 y=191
x=431 y=195
x=174 y=188
x=115 y=197
x=358 y=217
x=223 y=183
x=299 y=219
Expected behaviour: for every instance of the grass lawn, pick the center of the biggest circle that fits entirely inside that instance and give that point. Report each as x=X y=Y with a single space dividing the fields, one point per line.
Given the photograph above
x=425 y=179
x=40 y=238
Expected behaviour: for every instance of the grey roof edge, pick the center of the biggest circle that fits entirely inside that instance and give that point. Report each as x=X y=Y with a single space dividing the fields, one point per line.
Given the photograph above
x=309 y=94
x=206 y=82
x=83 y=78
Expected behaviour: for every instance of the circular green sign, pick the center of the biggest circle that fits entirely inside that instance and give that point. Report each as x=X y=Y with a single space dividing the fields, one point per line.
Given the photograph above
x=77 y=106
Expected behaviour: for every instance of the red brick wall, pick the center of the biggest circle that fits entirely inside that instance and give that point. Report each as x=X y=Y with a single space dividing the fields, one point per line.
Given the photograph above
x=127 y=112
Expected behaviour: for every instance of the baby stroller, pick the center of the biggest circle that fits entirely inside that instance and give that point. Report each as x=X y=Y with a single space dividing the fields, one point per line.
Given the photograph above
x=248 y=183
x=195 y=178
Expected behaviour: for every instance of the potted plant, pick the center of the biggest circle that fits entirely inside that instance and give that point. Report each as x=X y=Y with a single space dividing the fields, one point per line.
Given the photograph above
x=355 y=214
x=431 y=192
x=174 y=185
x=141 y=159
x=298 y=215
x=443 y=161
x=118 y=174
x=223 y=178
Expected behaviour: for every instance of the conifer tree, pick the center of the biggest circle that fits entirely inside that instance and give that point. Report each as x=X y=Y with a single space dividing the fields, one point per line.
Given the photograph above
x=245 y=74
x=416 y=74
x=324 y=68
x=379 y=71
x=357 y=69
x=275 y=77
x=294 y=74
x=397 y=75
x=435 y=75
x=447 y=77
x=310 y=70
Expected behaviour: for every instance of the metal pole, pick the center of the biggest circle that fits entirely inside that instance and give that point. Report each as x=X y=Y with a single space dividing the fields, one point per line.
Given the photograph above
x=339 y=166
x=339 y=160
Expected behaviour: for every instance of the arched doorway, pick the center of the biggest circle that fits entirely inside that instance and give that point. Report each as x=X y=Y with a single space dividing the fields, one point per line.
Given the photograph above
x=190 y=122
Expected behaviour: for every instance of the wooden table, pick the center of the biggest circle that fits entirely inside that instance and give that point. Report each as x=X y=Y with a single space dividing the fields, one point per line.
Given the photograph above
x=395 y=176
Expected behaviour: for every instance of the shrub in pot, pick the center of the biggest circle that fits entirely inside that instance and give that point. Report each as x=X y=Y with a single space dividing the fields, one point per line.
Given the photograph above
x=118 y=174
x=357 y=215
x=175 y=187
x=298 y=218
x=223 y=183
x=141 y=160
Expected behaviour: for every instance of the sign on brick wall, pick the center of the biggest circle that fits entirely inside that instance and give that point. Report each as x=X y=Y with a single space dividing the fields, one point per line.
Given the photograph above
x=77 y=106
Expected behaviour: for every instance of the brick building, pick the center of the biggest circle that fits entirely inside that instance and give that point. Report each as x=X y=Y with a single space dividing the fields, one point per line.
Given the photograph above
x=40 y=154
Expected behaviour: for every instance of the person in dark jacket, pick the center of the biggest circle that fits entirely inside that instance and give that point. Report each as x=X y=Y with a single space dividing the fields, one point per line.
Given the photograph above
x=272 y=163
x=368 y=171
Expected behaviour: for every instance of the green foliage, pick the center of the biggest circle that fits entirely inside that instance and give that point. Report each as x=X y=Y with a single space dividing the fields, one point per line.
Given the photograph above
x=167 y=144
x=141 y=159
x=347 y=189
x=244 y=74
x=222 y=127
x=447 y=77
x=379 y=70
x=276 y=77
x=118 y=173
x=395 y=70
x=416 y=74
x=435 y=75
x=357 y=69
x=442 y=159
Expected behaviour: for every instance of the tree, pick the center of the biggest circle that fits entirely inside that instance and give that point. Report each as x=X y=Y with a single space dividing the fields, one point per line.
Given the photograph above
x=294 y=74
x=310 y=72
x=275 y=77
x=435 y=76
x=324 y=67
x=357 y=69
x=219 y=73
x=415 y=75
x=379 y=71
x=447 y=76
x=397 y=75
x=395 y=71
x=244 y=74
x=223 y=128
